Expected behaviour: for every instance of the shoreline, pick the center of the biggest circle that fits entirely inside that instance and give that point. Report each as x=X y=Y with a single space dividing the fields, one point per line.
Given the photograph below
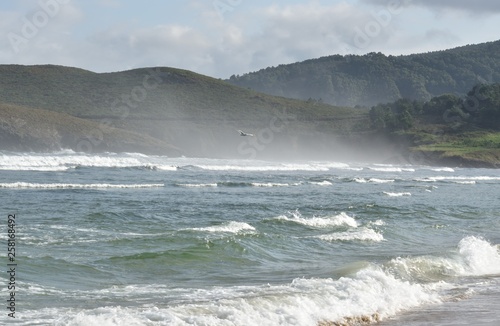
x=479 y=309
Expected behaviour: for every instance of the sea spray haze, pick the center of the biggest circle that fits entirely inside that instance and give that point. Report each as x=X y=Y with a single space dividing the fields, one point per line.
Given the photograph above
x=113 y=239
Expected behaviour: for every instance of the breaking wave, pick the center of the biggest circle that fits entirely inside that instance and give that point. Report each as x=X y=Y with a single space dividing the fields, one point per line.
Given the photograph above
x=230 y=227
x=341 y=219
x=28 y=185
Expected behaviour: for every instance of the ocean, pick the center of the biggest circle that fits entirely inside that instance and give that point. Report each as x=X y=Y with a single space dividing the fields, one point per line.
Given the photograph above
x=130 y=239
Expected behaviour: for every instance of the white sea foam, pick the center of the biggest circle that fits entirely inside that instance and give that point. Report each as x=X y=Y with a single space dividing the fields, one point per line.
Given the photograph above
x=321 y=183
x=64 y=160
x=470 y=182
x=67 y=160
x=231 y=227
x=370 y=294
x=390 y=168
x=473 y=257
x=458 y=178
x=341 y=219
x=444 y=169
x=257 y=166
x=361 y=234
x=263 y=168
x=160 y=167
x=373 y=180
x=397 y=194
x=272 y=184
x=377 y=223
x=197 y=185
x=77 y=185
x=57 y=162
x=479 y=256
x=35 y=168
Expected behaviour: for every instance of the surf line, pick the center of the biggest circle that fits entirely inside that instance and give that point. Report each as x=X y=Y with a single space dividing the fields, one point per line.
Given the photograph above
x=11 y=265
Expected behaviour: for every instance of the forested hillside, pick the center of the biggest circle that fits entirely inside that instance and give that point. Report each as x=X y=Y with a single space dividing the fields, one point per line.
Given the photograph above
x=447 y=128
x=375 y=78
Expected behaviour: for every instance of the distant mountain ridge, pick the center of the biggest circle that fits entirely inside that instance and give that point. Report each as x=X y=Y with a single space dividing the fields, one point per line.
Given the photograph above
x=375 y=78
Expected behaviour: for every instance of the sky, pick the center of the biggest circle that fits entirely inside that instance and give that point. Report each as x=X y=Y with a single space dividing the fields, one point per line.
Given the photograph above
x=220 y=38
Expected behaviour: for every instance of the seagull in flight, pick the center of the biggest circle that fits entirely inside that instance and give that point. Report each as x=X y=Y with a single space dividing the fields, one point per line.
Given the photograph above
x=244 y=134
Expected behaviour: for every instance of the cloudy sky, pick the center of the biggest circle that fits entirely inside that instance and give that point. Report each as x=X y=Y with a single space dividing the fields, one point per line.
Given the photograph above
x=224 y=37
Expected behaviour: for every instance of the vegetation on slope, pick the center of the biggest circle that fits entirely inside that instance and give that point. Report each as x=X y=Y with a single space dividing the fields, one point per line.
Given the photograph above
x=375 y=78
x=447 y=128
x=196 y=113
x=27 y=129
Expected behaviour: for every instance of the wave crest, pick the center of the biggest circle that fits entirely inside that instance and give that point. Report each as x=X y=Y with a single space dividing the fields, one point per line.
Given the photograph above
x=341 y=219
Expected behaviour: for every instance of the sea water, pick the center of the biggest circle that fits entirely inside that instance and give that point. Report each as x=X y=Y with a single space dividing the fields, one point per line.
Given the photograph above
x=130 y=239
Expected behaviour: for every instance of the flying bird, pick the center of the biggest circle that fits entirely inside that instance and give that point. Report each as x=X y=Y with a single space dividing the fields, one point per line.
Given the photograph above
x=245 y=134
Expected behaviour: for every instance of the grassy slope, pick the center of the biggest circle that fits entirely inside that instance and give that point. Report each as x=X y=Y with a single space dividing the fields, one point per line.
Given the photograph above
x=470 y=148
x=179 y=93
x=194 y=112
x=25 y=129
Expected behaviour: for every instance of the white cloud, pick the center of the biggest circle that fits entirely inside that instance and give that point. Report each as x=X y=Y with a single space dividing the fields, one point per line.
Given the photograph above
x=298 y=32
x=474 y=7
x=109 y=3
x=39 y=35
x=248 y=37
x=488 y=7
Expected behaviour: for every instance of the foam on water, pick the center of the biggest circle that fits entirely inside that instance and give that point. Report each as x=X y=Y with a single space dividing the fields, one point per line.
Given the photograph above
x=397 y=194
x=66 y=160
x=263 y=168
x=29 y=185
x=373 y=180
x=465 y=182
x=456 y=179
x=161 y=167
x=272 y=184
x=479 y=256
x=321 y=183
x=390 y=168
x=370 y=294
x=473 y=257
x=266 y=166
x=197 y=185
x=231 y=227
x=341 y=219
x=443 y=169
x=35 y=168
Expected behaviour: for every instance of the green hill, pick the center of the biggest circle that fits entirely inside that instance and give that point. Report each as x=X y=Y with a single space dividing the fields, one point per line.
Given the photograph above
x=28 y=129
x=196 y=114
x=375 y=78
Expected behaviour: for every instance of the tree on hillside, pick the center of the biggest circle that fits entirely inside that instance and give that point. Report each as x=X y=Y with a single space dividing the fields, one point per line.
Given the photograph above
x=481 y=108
x=395 y=116
x=437 y=106
x=483 y=101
